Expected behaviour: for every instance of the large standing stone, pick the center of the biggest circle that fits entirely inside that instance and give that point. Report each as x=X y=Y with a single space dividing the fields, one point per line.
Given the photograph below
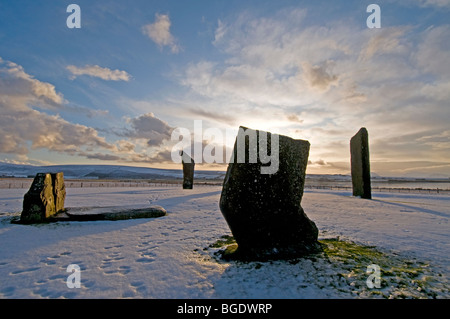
x=263 y=211
x=188 y=170
x=360 y=164
x=44 y=198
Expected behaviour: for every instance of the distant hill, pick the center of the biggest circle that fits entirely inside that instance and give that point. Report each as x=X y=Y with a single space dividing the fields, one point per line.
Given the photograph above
x=131 y=172
x=103 y=172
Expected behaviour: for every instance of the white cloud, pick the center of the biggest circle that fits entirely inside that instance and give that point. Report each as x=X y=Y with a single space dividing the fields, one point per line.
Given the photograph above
x=319 y=76
x=30 y=129
x=295 y=78
x=220 y=31
x=439 y=141
x=15 y=82
x=24 y=128
x=150 y=128
x=275 y=61
x=159 y=32
x=439 y=91
x=385 y=41
x=435 y=3
x=433 y=52
x=99 y=72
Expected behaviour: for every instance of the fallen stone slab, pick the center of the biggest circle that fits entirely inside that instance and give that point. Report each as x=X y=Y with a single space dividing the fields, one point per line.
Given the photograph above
x=109 y=213
x=102 y=213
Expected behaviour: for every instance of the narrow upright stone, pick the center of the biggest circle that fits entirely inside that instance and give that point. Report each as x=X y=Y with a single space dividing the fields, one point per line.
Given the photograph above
x=39 y=201
x=360 y=164
x=188 y=170
x=262 y=207
x=59 y=190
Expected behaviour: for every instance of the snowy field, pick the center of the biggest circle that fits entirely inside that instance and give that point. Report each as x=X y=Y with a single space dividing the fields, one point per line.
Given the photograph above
x=172 y=257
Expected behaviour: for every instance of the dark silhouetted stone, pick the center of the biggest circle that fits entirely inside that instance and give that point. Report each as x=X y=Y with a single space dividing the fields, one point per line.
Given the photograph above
x=44 y=199
x=188 y=170
x=263 y=210
x=360 y=164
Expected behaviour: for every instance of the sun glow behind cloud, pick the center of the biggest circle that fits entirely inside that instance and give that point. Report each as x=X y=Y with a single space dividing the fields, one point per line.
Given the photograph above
x=343 y=79
x=281 y=70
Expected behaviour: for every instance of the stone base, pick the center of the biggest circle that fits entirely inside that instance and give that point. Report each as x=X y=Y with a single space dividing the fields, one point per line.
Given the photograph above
x=233 y=252
x=187 y=185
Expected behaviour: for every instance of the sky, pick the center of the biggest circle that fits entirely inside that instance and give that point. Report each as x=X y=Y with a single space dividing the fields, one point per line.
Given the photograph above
x=114 y=90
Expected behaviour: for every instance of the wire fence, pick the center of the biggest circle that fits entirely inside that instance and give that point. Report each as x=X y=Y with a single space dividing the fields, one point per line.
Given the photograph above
x=386 y=189
x=25 y=183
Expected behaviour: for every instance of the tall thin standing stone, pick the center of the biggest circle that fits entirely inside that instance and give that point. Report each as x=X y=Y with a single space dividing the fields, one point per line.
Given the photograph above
x=360 y=164
x=59 y=190
x=188 y=170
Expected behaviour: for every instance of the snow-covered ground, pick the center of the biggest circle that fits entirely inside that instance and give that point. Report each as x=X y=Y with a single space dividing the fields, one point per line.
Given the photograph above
x=171 y=257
